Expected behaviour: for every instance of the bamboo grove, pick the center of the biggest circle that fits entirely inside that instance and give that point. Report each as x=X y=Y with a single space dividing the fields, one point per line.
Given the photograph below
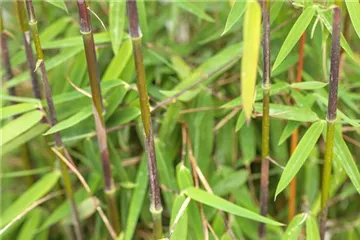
x=180 y=120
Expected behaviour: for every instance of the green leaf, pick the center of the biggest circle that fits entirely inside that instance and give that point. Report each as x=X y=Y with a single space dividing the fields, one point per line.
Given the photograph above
x=19 y=125
x=288 y=130
x=343 y=155
x=34 y=193
x=184 y=177
x=116 y=23
x=29 y=229
x=230 y=183
x=240 y=122
x=235 y=14
x=301 y=153
x=294 y=35
x=293 y=230
x=137 y=199
x=312 y=85
x=59 y=4
x=54 y=29
x=71 y=121
x=251 y=31
x=181 y=228
x=300 y=114
x=312 y=231
x=192 y=8
x=142 y=19
x=86 y=208
x=118 y=63
x=16 y=109
x=224 y=205
x=23 y=138
x=353 y=8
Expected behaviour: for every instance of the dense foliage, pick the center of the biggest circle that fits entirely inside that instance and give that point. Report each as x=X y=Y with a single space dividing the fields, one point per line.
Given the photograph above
x=221 y=120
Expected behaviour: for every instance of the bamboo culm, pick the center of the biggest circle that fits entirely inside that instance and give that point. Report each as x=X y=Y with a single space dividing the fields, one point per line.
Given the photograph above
x=52 y=116
x=264 y=192
x=92 y=66
x=155 y=200
x=331 y=117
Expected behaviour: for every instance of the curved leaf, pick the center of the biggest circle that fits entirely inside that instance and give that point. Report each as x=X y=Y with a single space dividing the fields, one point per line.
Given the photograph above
x=300 y=154
x=235 y=14
x=294 y=35
x=293 y=230
x=224 y=205
x=353 y=8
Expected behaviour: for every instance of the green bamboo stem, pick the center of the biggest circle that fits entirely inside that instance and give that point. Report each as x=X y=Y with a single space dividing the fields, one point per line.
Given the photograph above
x=52 y=116
x=264 y=192
x=21 y=14
x=331 y=117
x=136 y=36
x=92 y=66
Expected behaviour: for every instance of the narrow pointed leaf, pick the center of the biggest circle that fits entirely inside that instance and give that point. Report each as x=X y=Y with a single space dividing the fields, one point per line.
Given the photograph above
x=181 y=228
x=224 y=205
x=16 y=109
x=71 y=121
x=35 y=192
x=289 y=128
x=343 y=155
x=59 y=4
x=353 y=8
x=312 y=230
x=312 y=85
x=19 y=125
x=300 y=154
x=235 y=14
x=249 y=63
x=294 y=35
x=192 y=8
x=293 y=230
x=116 y=23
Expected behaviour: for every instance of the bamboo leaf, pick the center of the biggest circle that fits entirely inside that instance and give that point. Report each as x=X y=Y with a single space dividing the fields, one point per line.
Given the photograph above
x=294 y=35
x=312 y=231
x=23 y=138
x=289 y=128
x=29 y=229
x=300 y=154
x=343 y=155
x=224 y=205
x=19 y=125
x=54 y=29
x=230 y=183
x=116 y=23
x=251 y=31
x=299 y=114
x=184 y=177
x=312 y=85
x=71 y=121
x=59 y=4
x=86 y=208
x=240 y=122
x=192 y=8
x=35 y=192
x=137 y=199
x=237 y=10
x=16 y=109
x=181 y=228
x=353 y=8
x=293 y=230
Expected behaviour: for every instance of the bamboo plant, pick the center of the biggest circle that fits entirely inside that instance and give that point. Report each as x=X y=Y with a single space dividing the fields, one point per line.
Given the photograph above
x=266 y=85
x=21 y=14
x=330 y=118
x=136 y=36
x=92 y=66
x=40 y=65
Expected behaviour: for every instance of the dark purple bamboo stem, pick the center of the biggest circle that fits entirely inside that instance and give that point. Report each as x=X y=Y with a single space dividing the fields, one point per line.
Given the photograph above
x=264 y=192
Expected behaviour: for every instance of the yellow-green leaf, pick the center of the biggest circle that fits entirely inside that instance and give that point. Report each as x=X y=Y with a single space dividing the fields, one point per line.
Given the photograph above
x=252 y=27
x=353 y=8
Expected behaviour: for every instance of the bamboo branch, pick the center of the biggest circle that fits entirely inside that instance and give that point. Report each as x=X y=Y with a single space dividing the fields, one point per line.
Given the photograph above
x=92 y=66
x=330 y=118
x=264 y=192
x=52 y=116
x=136 y=36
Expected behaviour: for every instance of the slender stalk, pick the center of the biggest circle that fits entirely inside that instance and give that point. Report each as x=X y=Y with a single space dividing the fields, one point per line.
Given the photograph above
x=331 y=117
x=20 y=7
x=295 y=134
x=52 y=115
x=136 y=36
x=264 y=191
x=92 y=66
